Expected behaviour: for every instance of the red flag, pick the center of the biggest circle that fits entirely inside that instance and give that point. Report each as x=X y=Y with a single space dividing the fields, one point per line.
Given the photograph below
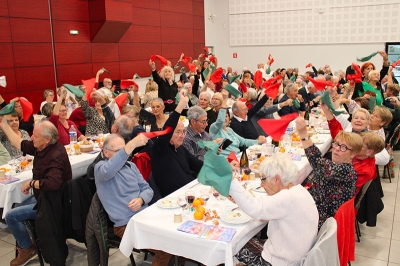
x=162 y=59
x=125 y=83
x=308 y=65
x=232 y=157
x=89 y=85
x=276 y=127
x=154 y=134
x=216 y=75
x=27 y=108
x=320 y=84
x=213 y=59
x=395 y=64
x=271 y=59
x=121 y=98
x=192 y=67
x=186 y=59
x=272 y=90
x=258 y=79
x=243 y=87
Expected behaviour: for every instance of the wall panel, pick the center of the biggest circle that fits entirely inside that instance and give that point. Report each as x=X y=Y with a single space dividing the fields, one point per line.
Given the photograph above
x=173 y=35
x=73 y=53
x=140 y=33
x=105 y=52
x=112 y=67
x=30 y=78
x=70 y=10
x=27 y=54
x=7 y=59
x=177 y=6
x=61 y=31
x=142 y=16
x=11 y=81
x=137 y=51
x=74 y=73
x=5 y=33
x=38 y=30
x=3 y=8
x=174 y=20
x=153 y=4
x=172 y=51
x=128 y=68
x=28 y=9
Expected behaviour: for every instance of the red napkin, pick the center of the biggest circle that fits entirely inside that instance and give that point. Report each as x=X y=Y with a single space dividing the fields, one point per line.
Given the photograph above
x=206 y=51
x=355 y=78
x=162 y=59
x=271 y=59
x=186 y=59
x=308 y=65
x=217 y=75
x=271 y=81
x=192 y=67
x=120 y=99
x=125 y=83
x=154 y=134
x=277 y=127
x=232 y=157
x=258 y=79
x=27 y=108
x=272 y=90
x=89 y=84
x=243 y=87
x=320 y=84
x=213 y=59
x=395 y=64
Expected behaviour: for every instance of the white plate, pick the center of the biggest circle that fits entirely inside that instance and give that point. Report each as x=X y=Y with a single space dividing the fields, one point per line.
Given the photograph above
x=227 y=217
x=324 y=131
x=259 y=190
x=255 y=148
x=174 y=204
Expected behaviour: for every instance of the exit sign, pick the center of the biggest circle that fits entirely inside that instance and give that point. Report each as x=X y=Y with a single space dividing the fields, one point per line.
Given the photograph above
x=234 y=55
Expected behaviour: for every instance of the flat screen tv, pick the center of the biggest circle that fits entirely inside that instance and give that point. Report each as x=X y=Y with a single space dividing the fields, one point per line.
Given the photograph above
x=393 y=51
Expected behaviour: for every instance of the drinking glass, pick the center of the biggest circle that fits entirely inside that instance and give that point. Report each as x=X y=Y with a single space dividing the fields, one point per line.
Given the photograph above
x=13 y=162
x=183 y=203
x=189 y=197
x=205 y=195
x=268 y=149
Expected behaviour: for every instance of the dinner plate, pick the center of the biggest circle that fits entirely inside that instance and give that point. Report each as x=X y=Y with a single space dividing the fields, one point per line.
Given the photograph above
x=172 y=205
x=235 y=217
x=324 y=131
x=259 y=190
x=255 y=148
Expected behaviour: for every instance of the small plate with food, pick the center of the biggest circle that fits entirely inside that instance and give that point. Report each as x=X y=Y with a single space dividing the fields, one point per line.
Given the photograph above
x=235 y=217
x=168 y=203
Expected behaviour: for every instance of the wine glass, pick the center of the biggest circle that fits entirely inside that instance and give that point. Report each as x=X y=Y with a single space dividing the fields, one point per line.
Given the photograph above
x=205 y=195
x=189 y=197
x=13 y=162
x=183 y=203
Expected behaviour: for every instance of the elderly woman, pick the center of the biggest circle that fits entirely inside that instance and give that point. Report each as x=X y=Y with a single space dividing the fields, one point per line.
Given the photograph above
x=380 y=117
x=60 y=121
x=48 y=96
x=221 y=129
x=292 y=92
x=251 y=98
x=204 y=102
x=100 y=117
x=13 y=121
x=27 y=126
x=333 y=182
x=193 y=100
x=247 y=81
x=50 y=170
x=47 y=109
x=289 y=208
x=167 y=88
x=156 y=118
x=150 y=93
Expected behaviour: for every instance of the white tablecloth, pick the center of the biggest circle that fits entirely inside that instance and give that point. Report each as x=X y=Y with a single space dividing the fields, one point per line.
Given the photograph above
x=11 y=193
x=154 y=227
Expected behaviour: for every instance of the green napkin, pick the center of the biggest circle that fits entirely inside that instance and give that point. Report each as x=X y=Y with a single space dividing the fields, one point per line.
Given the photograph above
x=182 y=70
x=8 y=109
x=232 y=90
x=326 y=99
x=372 y=102
x=293 y=78
x=216 y=170
x=75 y=90
x=268 y=70
x=366 y=58
x=296 y=103
x=233 y=78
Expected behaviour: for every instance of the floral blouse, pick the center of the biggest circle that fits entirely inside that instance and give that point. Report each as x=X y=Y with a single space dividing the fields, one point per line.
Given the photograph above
x=12 y=150
x=332 y=184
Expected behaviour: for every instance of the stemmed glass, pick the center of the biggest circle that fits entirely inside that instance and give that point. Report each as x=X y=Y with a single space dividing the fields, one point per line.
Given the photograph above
x=182 y=202
x=189 y=197
x=205 y=195
x=216 y=196
x=13 y=162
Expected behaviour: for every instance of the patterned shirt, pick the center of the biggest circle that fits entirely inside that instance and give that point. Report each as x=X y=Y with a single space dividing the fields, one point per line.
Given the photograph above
x=12 y=150
x=332 y=183
x=190 y=143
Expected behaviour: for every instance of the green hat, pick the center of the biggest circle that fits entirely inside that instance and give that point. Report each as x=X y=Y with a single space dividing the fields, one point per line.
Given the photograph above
x=232 y=79
x=232 y=90
x=137 y=76
x=75 y=90
x=182 y=70
x=216 y=170
x=8 y=109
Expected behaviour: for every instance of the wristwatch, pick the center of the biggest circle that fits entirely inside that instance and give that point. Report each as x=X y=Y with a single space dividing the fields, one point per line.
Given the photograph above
x=306 y=138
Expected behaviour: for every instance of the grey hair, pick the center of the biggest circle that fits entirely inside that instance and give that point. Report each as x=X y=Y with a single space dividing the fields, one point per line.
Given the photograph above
x=289 y=87
x=48 y=130
x=252 y=93
x=125 y=126
x=109 y=139
x=161 y=101
x=235 y=107
x=195 y=112
x=187 y=84
x=164 y=69
x=310 y=85
x=205 y=93
x=279 y=164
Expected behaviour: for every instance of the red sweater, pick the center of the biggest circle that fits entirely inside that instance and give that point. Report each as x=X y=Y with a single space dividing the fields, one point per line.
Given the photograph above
x=63 y=133
x=78 y=117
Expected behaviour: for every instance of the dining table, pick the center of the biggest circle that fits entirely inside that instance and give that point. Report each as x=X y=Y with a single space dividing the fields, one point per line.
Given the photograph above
x=154 y=227
x=11 y=193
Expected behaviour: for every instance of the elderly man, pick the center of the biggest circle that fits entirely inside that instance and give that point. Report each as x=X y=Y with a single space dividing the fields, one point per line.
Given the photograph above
x=50 y=170
x=308 y=95
x=241 y=120
x=292 y=92
x=289 y=208
x=196 y=131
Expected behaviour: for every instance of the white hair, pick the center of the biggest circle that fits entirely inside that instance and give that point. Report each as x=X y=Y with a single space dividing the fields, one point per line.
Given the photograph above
x=279 y=164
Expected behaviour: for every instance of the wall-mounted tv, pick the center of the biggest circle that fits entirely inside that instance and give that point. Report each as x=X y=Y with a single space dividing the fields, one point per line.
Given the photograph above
x=393 y=51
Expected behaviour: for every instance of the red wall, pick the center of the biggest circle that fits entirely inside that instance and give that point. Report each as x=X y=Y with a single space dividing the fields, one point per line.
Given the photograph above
x=165 y=27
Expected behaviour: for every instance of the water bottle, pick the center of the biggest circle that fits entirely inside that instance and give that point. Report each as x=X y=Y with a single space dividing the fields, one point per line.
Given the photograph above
x=72 y=138
x=287 y=138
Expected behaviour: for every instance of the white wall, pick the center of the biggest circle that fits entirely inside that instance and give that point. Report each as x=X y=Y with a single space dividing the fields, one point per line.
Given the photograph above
x=338 y=56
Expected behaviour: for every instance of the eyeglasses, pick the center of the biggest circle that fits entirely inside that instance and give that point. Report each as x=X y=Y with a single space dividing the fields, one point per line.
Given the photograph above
x=64 y=110
x=263 y=179
x=180 y=133
x=203 y=122
x=343 y=147
x=113 y=150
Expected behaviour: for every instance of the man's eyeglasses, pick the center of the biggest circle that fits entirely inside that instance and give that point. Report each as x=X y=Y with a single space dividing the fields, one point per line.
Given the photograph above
x=113 y=150
x=203 y=122
x=343 y=147
x=180 y=133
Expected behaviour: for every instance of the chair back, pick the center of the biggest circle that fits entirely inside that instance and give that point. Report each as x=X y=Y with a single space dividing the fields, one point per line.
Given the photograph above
x=154 y=186
x=395 y=137
x=325 y=250
x=361 y=194
x=143 y=163
x=345 y=218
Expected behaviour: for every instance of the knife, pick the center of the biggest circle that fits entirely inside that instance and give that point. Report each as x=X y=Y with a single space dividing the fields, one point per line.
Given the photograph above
x=235 y=208
x=194 y=185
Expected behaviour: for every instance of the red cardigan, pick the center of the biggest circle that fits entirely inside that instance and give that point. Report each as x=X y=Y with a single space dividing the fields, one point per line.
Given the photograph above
x=63 y=133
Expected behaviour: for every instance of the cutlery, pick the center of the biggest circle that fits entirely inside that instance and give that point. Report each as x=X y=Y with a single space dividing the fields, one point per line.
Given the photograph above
x=194 y=185
x=235 y=209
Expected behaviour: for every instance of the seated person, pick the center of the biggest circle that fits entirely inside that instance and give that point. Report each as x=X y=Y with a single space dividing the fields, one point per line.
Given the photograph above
x=196 y=131
x=48 y=96
x=392 y=91
x=333 y=182
x=241 y=121
x=204 y=102
x=47 y=110
x=173 y=165
x=14 y=124
x=380 y=118
x=289 y=208
x=27 y=126
x=292 y=92
x=221 y=129
x=4 y=155
x=308 y=95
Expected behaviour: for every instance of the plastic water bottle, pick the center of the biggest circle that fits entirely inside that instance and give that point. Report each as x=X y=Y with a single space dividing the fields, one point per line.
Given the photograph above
x=287 y=138
x=72 y=138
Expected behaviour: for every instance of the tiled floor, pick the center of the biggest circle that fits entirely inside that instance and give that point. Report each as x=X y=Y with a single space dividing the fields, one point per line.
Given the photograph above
x=379 y=245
